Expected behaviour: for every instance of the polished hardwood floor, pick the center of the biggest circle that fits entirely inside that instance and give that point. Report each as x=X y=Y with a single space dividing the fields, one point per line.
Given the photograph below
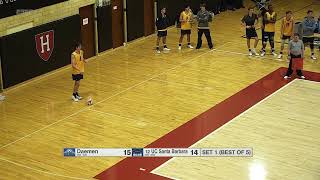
x=138 y=97
x=282 y=132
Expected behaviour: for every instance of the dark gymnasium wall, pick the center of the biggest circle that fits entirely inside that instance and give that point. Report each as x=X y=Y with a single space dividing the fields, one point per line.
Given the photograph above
x=104 y=21
x=135 y=19
x=19 y=57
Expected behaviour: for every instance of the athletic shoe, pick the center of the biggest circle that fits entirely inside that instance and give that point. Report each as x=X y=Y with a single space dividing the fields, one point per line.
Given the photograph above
x=280 y=56
x=2 y=98
x=74 y=98
x=313 y=57
x=263 y=53
x=166 y=49
x=302 y=77
x=179 y=47
x=78 y=97
x=250 y=53
x=158 y=51
x=274 y=54
x=286 y=77
x=190 y=47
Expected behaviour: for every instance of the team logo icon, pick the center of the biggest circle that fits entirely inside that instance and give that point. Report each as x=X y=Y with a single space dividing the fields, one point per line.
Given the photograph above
x=45 y=44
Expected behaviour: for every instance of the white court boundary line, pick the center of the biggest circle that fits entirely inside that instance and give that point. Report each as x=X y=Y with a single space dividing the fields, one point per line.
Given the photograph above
x=215 y=131
x=40 y=171
x=250 y=57
x=88 y=107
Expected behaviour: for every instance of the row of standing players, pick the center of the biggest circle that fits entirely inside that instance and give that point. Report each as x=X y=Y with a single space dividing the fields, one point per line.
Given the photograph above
x=186 y=20
x=269 y=18
x=250 y=22
x=296 y=47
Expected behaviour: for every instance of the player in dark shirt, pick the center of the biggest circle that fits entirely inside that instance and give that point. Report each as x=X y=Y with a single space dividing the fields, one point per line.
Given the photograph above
x=162 y=24
x=250 y=22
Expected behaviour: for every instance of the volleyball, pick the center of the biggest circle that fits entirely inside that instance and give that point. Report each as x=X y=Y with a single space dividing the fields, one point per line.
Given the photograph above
x=89 y=101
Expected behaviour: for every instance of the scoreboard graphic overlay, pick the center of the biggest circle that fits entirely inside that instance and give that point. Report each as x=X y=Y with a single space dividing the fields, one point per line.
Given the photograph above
x=158 y=152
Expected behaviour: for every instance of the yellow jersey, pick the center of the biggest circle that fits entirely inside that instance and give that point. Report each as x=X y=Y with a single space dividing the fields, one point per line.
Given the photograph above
x=270 y=27
x=287 y=26
x=79 y=62
x=187 y=18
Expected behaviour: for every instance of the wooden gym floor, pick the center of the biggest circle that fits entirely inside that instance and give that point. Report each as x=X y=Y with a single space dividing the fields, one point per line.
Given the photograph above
x=140 y=96
x=283 y=134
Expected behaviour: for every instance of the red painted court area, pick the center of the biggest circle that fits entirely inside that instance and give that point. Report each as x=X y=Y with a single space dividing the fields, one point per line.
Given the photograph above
x=199 y=127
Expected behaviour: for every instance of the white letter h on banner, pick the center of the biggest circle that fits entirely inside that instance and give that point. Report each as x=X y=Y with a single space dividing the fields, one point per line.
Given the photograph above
x=45 y=43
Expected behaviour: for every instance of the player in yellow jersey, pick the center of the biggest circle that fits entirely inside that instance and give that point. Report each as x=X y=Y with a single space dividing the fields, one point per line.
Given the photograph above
x=269 y=30
x=287 y=24
x=186 y=18
x=77 y=62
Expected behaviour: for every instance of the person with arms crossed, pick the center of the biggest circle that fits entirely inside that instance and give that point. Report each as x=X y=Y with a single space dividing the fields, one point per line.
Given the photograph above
x=203 y=18
x=270 y=18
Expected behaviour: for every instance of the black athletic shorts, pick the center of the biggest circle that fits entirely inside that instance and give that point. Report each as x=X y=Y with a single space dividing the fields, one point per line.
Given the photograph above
x=162 y=33
x=251 y=33
x=268 y=35
x=184 y=32
x=77 y=77
x=308 y=40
